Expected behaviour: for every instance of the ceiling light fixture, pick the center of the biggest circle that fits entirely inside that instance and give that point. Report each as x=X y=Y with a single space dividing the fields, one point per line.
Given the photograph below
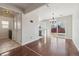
x=6 y=11
x=52 y=20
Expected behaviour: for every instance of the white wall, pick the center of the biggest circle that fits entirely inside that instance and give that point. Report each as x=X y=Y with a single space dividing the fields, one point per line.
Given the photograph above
x=17 y=28
x=29 y=30
x=76 y=28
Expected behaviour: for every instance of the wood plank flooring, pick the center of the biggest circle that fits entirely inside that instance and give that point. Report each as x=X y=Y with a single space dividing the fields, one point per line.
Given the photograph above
x=45 y=47
x=7 y=44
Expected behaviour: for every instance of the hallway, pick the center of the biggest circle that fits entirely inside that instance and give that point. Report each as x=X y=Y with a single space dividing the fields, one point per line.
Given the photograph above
x=45 y=47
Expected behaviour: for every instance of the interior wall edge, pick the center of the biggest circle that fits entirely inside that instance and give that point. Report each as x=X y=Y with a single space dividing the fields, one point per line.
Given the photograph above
x=75 y=45
x=24 y=43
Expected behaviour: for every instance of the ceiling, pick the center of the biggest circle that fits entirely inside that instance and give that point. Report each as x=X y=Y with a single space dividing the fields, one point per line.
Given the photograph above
x=26 y=7
x=6 y=12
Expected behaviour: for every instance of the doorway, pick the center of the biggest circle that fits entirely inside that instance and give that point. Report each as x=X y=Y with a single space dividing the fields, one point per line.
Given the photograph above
x=58 y=28
x=10 y=30
x=61 y=28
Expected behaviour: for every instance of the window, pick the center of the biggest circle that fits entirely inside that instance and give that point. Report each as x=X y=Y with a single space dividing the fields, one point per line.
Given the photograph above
x=5 y=24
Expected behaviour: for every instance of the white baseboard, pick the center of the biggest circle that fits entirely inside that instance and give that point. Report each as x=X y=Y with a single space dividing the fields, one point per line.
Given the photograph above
x=31 y=41
x=75 y=45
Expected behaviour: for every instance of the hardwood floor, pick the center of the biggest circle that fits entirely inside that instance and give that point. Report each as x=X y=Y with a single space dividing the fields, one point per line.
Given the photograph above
x=45 y=47
x=54 y=47
x=20 y=51
x=7 y=44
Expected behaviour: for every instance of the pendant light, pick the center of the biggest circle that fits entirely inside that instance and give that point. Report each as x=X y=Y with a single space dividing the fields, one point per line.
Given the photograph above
x=52 y=19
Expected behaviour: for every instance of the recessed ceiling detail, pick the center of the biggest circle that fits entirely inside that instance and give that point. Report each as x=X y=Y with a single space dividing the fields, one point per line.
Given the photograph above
x=26 y=7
